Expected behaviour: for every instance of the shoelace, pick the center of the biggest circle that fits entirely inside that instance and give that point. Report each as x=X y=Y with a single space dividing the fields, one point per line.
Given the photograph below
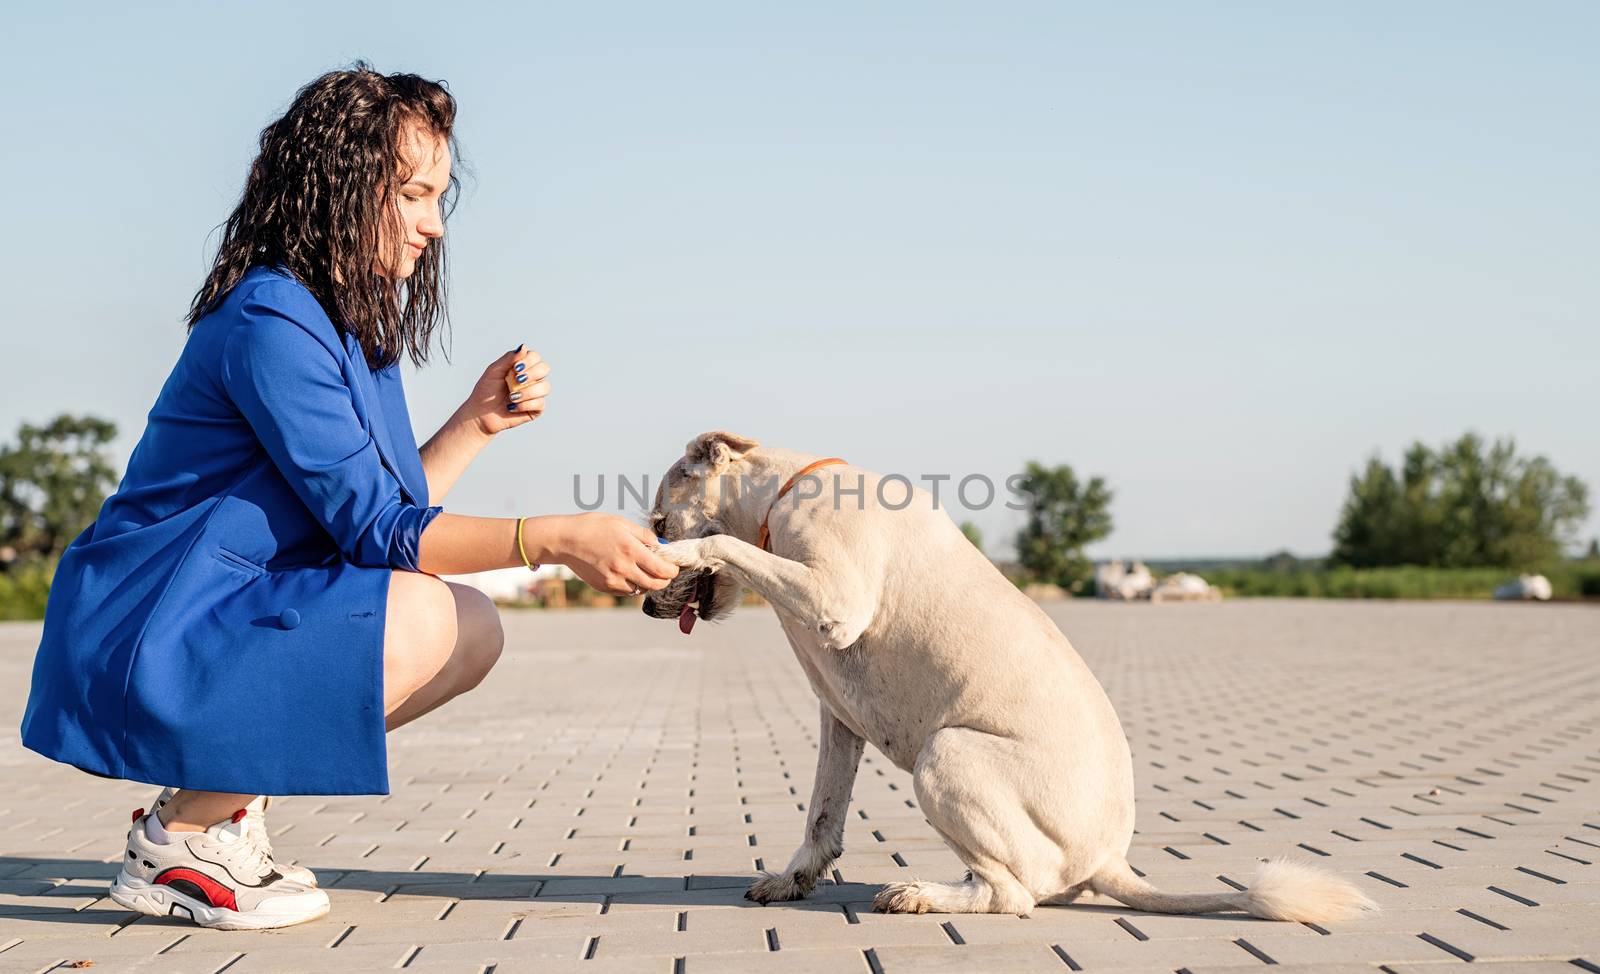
x=257 y=819
x=256 y=832
x=255 y=858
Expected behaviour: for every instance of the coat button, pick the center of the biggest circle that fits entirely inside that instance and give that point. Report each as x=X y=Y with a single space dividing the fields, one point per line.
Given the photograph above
x=289 y=618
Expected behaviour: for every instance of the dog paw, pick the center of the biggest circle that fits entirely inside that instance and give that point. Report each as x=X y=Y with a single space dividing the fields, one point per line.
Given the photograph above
x=695 y=554
x=780 y=887
x=901 y=898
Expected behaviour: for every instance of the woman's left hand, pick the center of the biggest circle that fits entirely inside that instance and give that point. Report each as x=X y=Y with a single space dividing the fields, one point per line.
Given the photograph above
x=510 y=392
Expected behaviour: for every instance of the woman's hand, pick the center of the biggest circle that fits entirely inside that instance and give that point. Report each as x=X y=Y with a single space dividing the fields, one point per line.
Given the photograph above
x=611 y=553
x=510 y=392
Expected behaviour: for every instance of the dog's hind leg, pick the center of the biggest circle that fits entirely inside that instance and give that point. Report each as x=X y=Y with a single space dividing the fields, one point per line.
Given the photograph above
x=838 y=756
x=965 y=785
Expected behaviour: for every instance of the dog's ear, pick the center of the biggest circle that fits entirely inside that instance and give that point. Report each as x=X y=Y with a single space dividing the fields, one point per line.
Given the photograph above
x=713 y=451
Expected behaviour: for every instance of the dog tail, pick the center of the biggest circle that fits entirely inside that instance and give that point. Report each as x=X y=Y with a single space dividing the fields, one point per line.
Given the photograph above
x=1283 y=890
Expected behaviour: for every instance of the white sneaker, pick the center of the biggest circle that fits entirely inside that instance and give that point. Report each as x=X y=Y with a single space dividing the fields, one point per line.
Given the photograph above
x=257 y=820
x=217 y=878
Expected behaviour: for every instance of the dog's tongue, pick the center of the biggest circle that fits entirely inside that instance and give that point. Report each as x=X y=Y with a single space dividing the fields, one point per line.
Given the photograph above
x=686 y=620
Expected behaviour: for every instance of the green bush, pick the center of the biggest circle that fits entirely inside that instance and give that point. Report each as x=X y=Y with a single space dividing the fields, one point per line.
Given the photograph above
x=24 y=589
x=1585 y=578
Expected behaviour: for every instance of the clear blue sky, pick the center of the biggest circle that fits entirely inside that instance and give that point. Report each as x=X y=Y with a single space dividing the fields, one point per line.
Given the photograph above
x=1217 y=253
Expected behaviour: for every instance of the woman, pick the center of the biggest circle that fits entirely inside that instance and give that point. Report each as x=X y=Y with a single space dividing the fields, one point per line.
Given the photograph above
x=257 y=604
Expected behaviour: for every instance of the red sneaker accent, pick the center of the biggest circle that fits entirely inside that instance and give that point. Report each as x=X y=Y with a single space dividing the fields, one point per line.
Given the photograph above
x=239 y=816
x=215 y=893
x=136 y=813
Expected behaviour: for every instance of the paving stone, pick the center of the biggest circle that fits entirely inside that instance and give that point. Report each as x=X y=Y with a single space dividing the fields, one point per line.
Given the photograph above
x=1380 y=948
x=1049 y=925
x=163 y=963
x=1493 y=967
x=1349 y=967
x=827 y=961
x=180 y=937
x=104 y=950
x=484 y=953
x=601 y=803
x=275 y=960
x=1483 y=944
x=1096 y=955
x=992 y=959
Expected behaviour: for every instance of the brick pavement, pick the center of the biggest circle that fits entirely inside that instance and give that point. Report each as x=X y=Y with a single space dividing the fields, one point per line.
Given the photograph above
x=600 y=803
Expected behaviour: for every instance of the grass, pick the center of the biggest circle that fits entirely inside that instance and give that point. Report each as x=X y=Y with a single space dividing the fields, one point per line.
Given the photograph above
x=24 y=589
x=1568 y=580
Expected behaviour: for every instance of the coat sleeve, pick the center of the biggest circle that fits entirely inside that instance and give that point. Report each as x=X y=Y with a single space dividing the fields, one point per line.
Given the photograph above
x=288 y=384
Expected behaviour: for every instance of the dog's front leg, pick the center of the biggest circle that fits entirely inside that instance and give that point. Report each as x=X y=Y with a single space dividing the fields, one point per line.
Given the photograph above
x=837 y=610
x=838 y=756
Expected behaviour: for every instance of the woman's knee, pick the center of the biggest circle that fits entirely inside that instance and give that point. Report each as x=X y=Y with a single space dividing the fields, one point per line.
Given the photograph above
x=420 y=633
x=481 y=637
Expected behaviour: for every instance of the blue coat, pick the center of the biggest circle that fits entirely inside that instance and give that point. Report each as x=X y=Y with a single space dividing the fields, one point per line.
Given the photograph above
x=220 y=625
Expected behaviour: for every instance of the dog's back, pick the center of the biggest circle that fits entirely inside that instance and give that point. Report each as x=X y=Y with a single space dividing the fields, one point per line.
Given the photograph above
x=952 y=642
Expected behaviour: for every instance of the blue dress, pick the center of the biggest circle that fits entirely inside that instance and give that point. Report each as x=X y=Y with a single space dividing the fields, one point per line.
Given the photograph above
x=220 y=625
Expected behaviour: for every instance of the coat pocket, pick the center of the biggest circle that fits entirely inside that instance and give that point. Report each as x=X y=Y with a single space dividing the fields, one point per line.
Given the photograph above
x=239 y=562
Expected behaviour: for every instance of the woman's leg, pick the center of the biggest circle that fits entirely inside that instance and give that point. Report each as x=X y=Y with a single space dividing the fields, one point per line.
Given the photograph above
x=196 y=811
x=447 y=638
x=440 y=639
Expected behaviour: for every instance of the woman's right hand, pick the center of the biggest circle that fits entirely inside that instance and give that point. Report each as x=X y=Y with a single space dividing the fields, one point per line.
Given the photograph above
x=611 y=553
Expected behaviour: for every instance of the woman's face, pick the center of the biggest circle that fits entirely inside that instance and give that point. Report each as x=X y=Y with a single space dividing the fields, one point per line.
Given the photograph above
x=417 y=199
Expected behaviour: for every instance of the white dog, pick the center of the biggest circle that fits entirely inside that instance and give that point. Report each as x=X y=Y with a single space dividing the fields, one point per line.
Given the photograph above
x=915 y=642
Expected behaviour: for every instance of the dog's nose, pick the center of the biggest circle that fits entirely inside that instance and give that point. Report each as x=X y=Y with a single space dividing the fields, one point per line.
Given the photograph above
x=649 y=606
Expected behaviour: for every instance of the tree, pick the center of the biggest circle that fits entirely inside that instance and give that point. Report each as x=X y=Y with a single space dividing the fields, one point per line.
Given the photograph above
x=1063 y=516
x=52 y=483
x=973 y=534
x=1282 y=562
x=1366 y=528
x=1466 y=505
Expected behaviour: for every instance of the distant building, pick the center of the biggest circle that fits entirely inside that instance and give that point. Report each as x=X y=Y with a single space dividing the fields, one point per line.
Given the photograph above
x=511 y=586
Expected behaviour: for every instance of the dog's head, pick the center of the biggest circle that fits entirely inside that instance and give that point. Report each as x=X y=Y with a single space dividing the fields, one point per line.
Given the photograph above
x=689 y=504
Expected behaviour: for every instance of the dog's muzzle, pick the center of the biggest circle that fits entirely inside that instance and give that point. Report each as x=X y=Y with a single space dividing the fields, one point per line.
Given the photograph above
x=687 y=596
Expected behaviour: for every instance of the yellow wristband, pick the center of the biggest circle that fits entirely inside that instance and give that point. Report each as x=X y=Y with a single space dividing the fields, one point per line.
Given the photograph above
x=532 y=566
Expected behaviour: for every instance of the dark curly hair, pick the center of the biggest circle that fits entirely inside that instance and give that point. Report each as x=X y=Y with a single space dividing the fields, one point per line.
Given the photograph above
x=317 y=194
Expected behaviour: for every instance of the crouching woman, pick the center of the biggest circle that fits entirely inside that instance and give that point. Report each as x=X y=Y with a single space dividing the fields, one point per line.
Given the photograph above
x=256 y=605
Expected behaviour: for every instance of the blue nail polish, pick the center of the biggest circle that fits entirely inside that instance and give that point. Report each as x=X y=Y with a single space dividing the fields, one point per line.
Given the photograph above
x=521 y=366
x=522 y=378
x=511 y=407
x=662 y=540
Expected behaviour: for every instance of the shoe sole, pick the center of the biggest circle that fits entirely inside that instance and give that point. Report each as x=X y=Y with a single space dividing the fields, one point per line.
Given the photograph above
x=162 y=901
